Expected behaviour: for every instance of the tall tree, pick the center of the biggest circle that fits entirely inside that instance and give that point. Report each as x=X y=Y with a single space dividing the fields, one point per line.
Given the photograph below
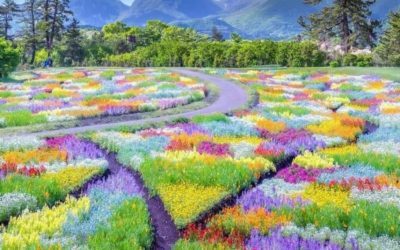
x=55 y=14
x=29 y=33
x=349 y=20
x=389 y=48
x=7 y=12
x=73 y=51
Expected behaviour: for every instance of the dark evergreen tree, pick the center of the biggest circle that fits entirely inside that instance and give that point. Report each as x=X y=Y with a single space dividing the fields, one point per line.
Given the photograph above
x=389 y=48
x=216 y=35
x=349 y=20
x=8 y=10
x=73 y=51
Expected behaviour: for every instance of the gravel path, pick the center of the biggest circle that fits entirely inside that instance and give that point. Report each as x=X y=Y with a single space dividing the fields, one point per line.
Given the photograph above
x=231 y=97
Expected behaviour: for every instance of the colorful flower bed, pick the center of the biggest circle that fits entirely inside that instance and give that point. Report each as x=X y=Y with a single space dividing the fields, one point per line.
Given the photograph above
x=194 y=166
x=38 y=177
x=57 y=96
x=111 y=215
x=36 y=173
x=342 y=194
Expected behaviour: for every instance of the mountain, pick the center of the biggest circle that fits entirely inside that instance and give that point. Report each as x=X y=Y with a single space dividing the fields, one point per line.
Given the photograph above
x=168 y=10
x=97 y=12
x=275 y=19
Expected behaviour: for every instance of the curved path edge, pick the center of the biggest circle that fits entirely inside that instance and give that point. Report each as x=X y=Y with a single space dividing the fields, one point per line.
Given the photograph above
x=231 y=97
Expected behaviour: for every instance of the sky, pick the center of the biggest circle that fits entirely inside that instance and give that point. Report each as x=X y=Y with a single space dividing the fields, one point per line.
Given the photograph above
x=128 y=2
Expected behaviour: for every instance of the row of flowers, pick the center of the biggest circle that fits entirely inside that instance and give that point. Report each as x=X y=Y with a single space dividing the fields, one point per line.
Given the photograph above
x=54 y=96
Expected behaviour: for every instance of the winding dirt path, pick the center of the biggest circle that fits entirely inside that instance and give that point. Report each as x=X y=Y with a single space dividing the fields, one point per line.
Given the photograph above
x=231 y=97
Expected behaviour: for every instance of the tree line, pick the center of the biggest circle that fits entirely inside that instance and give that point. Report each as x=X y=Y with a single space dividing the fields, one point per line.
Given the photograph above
x=38 y=29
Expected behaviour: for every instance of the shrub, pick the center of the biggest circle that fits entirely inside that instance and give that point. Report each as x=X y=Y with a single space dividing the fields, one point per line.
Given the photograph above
x=334 y=64
x=350 y=60
x=9 y=58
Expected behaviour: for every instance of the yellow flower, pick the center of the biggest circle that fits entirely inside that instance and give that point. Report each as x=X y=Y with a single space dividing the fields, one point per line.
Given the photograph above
x=25 y=231
x=313 y=160
x=185 y=202
x=323 y=195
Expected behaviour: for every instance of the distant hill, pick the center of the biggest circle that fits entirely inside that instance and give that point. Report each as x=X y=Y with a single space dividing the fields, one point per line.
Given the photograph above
x=97 y=12
x=276 y=19
x=168 y=10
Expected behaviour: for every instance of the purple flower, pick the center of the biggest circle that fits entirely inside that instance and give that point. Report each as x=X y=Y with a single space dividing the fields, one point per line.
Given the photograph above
x=296 y=141
x=75 y=147
x=294 y=242
x=213 y=149
x=120 y=182
x=296 y=174
x=256 y=198
x=190 y=128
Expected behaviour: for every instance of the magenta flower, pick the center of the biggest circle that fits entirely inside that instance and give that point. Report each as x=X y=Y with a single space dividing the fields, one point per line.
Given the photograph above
x=213 y=149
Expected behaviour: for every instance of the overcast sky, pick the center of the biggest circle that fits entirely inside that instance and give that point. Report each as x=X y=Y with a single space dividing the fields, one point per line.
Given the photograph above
x=124 y=1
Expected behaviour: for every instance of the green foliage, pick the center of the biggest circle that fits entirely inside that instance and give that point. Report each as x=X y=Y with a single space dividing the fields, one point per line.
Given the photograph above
x=334 y=64
x=195 y=245
x=41 y=56
x=22 y=118
x=6 y=94
x=223 y=173
x=9 y=58
x=179 y=120
x=71 y=51
x=361 y=60
x=389 y=49
x=385 y=162
x=108 y=74
x=222 y=54
x=210 y=118
x=129 y=228
x=372 y=218
x=291 y=110
x=14 y=204
x=350 y=22
x=44 y=190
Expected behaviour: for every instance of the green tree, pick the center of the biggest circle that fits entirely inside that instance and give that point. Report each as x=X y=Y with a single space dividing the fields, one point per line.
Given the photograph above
x=174 y=33
x=216 y=35
x=55 y=14
x=389 y=48
x=96 y=50
x=8 y=11
x=236 y=37
x=9 y=57
x=117 y=36
x=349 y=20
x=71 y=51
x=31 y=15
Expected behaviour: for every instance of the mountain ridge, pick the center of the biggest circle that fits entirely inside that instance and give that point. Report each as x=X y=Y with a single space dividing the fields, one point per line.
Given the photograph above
x=274 y=19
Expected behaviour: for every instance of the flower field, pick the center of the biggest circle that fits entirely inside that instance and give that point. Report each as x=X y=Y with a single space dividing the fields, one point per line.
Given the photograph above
x=68 y=95
x=342 y=194
x=315 y=164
